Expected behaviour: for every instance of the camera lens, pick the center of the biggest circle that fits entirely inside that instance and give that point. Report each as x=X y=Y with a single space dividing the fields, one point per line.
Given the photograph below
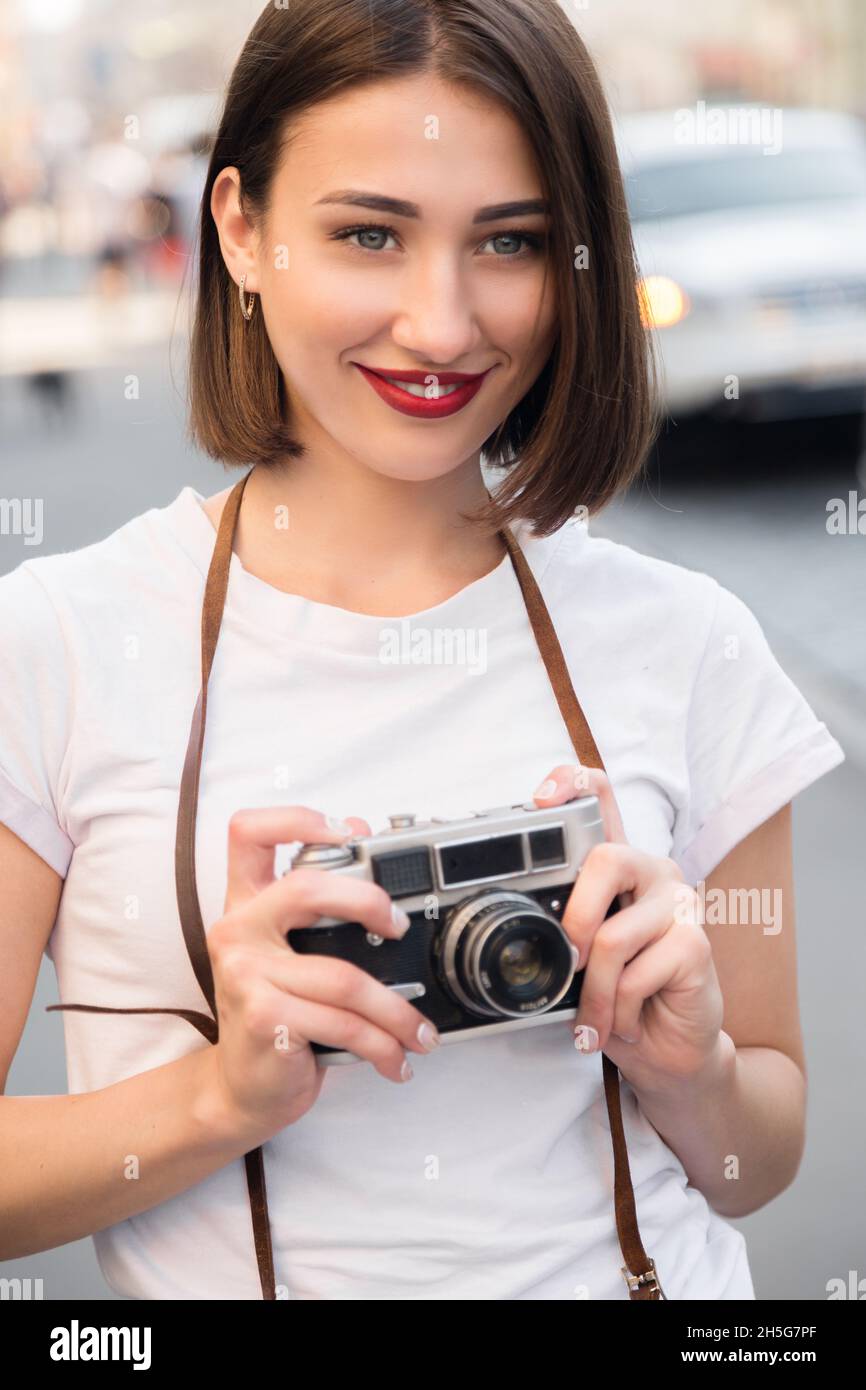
x=502 y=954
x=520 y=962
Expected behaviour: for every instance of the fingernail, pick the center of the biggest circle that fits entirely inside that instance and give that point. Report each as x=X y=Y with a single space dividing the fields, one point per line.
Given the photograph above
x=340 y=826
x=585 y=1038
x=622 y=1037
x=575 y=956
x=427 y=1036
x=546 y=789
x=406 y=1072
x=402 y=921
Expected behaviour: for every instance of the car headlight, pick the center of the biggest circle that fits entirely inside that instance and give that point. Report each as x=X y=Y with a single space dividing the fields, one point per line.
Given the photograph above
x=662 y=301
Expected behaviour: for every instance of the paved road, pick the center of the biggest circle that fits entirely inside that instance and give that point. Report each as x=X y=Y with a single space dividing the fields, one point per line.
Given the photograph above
x=759 y=525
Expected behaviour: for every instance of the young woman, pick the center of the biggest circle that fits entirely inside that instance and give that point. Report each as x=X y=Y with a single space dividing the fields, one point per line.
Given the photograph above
x=400 y=193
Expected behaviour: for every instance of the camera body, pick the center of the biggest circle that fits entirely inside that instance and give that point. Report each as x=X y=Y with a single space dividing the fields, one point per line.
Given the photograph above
x=486 y=951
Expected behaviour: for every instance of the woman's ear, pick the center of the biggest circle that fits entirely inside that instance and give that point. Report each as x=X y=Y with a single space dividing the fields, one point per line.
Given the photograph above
x=237 y=235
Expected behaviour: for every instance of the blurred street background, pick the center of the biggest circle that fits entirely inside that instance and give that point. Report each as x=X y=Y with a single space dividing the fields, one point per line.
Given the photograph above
x=742 y=130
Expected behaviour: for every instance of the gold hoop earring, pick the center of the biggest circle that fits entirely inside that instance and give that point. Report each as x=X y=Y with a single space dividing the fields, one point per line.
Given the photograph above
x=246 y=310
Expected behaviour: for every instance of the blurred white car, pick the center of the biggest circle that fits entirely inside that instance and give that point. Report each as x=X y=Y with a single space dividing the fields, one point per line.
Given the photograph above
x=753 y=263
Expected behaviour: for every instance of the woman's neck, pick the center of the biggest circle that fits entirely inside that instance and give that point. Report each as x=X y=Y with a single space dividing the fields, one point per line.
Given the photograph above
x=368 y=544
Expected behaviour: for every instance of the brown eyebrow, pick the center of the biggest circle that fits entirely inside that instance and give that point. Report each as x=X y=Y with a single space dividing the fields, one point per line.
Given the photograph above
x=399 y=208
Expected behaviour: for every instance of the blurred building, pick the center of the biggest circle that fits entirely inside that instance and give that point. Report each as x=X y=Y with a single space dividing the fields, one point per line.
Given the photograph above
x=786 y=52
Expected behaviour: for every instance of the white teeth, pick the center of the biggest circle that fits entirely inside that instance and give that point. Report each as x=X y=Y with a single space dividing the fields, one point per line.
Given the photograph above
x=415 y=388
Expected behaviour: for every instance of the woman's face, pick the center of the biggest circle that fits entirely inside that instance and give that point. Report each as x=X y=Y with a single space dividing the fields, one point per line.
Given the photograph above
x=448 y=285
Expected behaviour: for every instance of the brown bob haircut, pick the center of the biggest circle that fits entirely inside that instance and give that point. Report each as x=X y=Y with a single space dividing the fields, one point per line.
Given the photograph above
x=581 y=433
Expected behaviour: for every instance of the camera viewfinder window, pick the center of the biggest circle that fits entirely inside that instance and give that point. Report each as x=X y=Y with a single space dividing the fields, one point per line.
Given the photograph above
x=478 y=859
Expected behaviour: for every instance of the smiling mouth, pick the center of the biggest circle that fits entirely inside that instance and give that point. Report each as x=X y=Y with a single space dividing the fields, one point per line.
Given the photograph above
x=425 y=395
x=415 y=388
x=418 y=384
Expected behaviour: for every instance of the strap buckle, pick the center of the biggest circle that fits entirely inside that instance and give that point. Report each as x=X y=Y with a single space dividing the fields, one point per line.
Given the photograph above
x=636 y=1281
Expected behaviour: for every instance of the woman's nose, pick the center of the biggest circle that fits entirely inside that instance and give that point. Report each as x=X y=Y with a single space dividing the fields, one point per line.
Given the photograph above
x=437 y=320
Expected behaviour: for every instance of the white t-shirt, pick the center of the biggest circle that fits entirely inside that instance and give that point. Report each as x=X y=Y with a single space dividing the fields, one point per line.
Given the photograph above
x=490 y=1174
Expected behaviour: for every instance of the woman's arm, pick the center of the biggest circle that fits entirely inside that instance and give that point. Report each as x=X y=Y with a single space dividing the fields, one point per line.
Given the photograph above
x=65 y=1160
x=72 y=1165
x=739 y=1129
x=695 y=1003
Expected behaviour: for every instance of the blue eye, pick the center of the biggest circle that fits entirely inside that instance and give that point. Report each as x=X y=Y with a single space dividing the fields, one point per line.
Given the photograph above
x=366 y=229
x=533 y=242
x=363 y=229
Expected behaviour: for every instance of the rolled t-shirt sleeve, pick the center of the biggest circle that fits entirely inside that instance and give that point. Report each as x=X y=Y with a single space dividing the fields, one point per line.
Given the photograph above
x=35 y=699
x=752 y=741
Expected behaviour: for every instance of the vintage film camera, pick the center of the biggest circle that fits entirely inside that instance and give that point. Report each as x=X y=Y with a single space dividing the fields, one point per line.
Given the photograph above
x=485 y=894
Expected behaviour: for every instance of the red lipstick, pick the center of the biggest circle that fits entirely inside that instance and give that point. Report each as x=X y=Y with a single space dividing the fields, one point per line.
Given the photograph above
x=466 y=387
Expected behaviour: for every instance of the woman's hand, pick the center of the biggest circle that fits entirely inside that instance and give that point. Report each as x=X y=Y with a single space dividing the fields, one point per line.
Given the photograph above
x=271 y=1001
x=648 y=969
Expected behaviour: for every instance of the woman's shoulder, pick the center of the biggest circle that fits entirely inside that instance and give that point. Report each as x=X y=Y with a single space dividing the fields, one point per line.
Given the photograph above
x=668 y=649
x=586 y=575
x=155 y=554
x=657 y=620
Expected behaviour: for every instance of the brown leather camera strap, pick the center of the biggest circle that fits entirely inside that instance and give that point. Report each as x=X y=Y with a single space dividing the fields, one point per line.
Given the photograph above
x=639 y=1270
